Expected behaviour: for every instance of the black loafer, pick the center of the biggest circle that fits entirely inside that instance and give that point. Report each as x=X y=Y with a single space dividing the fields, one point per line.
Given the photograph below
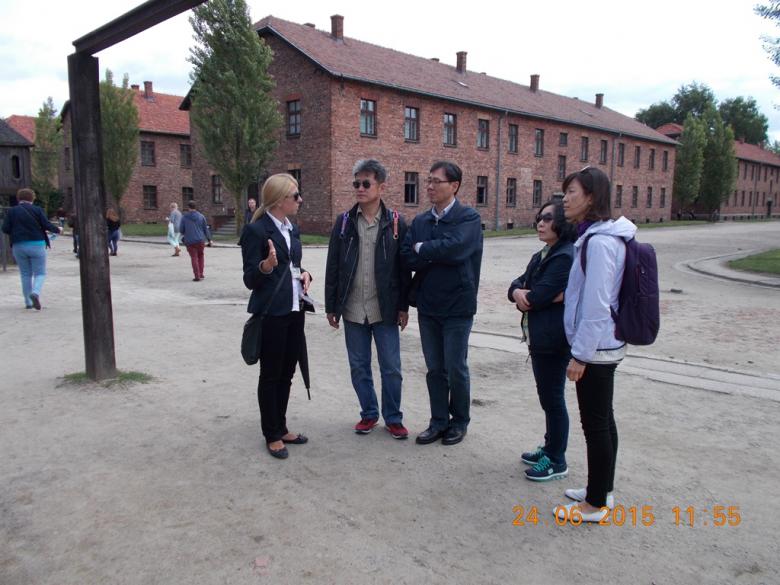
x=428 y=436
x=453 y=436
x=282 y=453
x=298 y=440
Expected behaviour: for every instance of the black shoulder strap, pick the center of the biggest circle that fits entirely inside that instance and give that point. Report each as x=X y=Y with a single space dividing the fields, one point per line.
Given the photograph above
x=40 y=225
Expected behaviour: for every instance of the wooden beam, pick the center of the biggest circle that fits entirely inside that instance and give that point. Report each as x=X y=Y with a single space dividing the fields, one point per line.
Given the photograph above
x=131 y=23
x=89 y=197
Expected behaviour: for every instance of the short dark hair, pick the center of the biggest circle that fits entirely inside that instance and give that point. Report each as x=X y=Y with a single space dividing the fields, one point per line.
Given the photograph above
x=371 y=165
x=451 y=171
x=564 y=230
x=191 y=204
x=596 y=184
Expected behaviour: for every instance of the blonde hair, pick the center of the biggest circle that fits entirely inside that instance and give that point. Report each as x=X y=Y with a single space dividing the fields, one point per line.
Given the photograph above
x=275 y=189
x=111 y=215
x=25 y=195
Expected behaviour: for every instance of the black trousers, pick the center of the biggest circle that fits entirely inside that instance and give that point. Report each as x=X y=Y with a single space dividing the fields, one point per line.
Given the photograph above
x=282 y=338
x=594 y=395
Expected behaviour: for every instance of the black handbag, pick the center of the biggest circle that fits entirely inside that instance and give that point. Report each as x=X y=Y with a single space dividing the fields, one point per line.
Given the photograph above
x=252 y=339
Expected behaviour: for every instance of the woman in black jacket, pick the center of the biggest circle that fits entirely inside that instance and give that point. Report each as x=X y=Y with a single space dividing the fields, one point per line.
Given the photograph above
x=538 y=293
x=271 y=250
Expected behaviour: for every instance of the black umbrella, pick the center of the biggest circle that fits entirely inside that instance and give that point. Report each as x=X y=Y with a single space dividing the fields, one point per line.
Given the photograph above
x=303 y=362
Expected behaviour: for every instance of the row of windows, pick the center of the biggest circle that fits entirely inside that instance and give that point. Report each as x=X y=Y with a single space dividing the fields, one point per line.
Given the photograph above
x=618 y=201
x=368 y=127
x=772 y=172
x=150 y=200
x=750 y=199
x=148 y=158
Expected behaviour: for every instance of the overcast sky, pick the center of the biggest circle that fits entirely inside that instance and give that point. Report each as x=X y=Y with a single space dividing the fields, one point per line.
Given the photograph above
x=636 y=53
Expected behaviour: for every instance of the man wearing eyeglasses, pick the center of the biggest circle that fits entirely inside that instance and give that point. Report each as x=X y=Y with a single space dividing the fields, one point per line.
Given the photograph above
x=444 y=248
x=366 y=284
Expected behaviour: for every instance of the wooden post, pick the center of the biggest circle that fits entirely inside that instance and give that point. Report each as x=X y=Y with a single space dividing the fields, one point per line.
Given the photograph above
x=89 y=198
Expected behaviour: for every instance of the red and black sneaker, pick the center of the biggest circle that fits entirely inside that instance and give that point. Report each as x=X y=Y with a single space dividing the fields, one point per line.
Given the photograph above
x=366 y=425
x=397 y=430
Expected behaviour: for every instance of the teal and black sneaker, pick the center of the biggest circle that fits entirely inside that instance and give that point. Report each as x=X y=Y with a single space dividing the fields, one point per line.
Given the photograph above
x=532 y=457
x=546 y=469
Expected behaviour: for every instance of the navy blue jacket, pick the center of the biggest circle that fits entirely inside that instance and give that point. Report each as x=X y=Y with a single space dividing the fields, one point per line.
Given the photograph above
x=254 y=249
x=22 y=225
x=545 y=279
x=451 y=258
x=391 y=276
x=194 y=229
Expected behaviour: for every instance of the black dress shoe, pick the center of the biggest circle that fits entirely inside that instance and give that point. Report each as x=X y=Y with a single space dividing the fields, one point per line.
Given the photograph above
x=298 y=440
x=453 y=436
x=428 y=436
x=282 y=453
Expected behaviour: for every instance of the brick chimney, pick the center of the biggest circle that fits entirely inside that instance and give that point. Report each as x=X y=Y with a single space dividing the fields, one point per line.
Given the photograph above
x=337 y=27
x=436 y=59
x=148 y=92
x=535 y=82
x=599 y=100
x=461 y=61
x=135 y=87
x=309 y=24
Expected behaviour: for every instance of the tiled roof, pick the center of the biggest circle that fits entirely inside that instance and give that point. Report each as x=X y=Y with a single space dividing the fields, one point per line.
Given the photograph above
x=24 y=125
x=670 y=129
x=361 y=61
x=10 y=137
x=755 y=153
x=161 y=114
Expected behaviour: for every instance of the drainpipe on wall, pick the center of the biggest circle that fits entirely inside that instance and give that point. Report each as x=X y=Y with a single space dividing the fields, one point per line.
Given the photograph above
x=755 y=191
x=498 y=170
x=612 y=174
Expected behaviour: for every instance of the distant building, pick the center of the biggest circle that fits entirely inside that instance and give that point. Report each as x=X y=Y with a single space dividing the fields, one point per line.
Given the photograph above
x=163 y=171
x=344 y=99
x=25 y=125
x=14 y=163
x=757 y=191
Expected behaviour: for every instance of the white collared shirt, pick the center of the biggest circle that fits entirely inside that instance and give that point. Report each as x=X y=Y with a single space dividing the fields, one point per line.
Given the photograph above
x=438 y=218
x=285 y=229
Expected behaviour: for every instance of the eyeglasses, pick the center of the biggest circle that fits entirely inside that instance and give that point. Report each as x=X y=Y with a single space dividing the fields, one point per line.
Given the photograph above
x=435 y=181
x=365 y=182
x=296 y=196
x=546 y=218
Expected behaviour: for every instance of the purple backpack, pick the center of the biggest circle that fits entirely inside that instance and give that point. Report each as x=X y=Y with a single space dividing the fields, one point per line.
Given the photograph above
x=639 y=315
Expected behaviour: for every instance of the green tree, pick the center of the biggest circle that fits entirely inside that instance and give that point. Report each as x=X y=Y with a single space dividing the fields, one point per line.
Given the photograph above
x=48 y=139
x=119 y=124
x=774 y=146
x=771 y=11
x=235 y=116
x=695 y=98
x=747 y=122
x=657 y=114
x=689 y=161
x=719 y=171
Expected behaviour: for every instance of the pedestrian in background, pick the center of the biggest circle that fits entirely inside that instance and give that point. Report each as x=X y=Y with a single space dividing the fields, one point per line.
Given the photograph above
x=174 y=228
x=196 y=236
x=114 y=233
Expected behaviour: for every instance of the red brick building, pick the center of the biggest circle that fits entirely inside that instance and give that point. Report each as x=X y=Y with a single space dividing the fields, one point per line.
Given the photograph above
x=344 y=99
x=757 y=191
x=163 y=171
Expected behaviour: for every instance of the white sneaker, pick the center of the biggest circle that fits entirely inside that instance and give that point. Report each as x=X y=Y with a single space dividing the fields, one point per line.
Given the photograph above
x=578 y=495
x=563 y=512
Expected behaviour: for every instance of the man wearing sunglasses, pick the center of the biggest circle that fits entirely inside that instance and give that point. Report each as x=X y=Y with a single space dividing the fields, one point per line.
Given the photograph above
x=366 y=284
x=444 y=248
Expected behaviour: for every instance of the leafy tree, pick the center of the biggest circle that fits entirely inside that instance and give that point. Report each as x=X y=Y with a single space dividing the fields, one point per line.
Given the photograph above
x=233 y=111
x=747 y=122
x=771 y=11
x=695 y=98
x=774 y=147
x=719 y=171
x=657 y=114
x=689 y=161
x=48 y=139
x=119 y=123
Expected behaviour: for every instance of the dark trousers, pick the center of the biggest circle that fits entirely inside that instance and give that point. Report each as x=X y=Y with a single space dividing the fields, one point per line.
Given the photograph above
x=594 y=395
x=197 y=258
x=445 y=345
x=550 y=375
x=279 y=350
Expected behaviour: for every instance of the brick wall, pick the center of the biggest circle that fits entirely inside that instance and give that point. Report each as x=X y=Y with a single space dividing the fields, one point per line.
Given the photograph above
x=758 y=186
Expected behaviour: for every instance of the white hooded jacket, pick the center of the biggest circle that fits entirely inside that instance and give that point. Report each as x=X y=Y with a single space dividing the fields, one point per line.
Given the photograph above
x=589 y=297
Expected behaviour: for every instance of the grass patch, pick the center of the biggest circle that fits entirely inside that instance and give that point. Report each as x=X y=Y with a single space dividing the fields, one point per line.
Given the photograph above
x=314 y=240
x=144 y=229
x=766 y=262
x=673 y=223
x=122 y=379
x=524 y=231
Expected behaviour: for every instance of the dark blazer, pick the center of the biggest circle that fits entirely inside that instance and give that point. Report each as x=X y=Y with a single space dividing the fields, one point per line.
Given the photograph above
x=545 y=279
x=23 y=223
x=391 y=275
x=451 y=257
x=254 y=249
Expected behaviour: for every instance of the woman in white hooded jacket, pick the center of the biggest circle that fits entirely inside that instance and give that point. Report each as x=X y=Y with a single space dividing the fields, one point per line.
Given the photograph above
x=589 y=299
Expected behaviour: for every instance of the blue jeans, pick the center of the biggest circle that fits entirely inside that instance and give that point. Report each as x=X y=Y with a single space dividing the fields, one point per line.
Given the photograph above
x=31 y=258
x=113 y=241
x=550 y=375
x=445 y=344
x=388 y=350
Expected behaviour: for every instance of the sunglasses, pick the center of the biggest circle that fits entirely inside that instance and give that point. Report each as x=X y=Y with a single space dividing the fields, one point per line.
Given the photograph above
x=296 y=196
x=365 y=182
x=546 y=218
